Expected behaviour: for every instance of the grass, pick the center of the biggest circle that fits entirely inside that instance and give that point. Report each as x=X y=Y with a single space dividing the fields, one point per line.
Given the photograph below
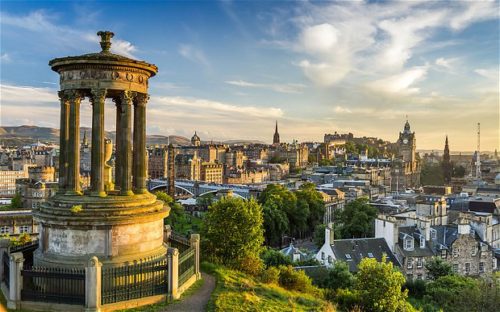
x=162 y=305
x=237 y=291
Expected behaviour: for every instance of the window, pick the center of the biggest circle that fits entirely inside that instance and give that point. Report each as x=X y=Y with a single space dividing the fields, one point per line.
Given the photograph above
x=422 y=242
x=322 y=255
x=4 y=230
x=419 y=276
x=419 y=262
x=348 y=256
x=370 y=255
x=456 y=252
x=330 y=260
x=481 y=267
x=409 y=263
x=24 y=229
x=443 y=253
x=455 y=267
x=408 y=243
x=474 y=251
x=467 y=268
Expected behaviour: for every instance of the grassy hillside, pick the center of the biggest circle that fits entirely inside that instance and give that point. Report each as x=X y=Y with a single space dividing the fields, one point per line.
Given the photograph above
x=236 y=291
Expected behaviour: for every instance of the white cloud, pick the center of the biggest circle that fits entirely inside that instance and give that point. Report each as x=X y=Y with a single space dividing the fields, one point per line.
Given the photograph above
x=5 y=58
x=282 y=88
x=27 y=94
x=473 y=11
x=193 y=54
x=492 y=74
x=400 y=83
x=325 y=73
x=219 y=107
x=447 y=63
x=45 y=28
x=319 y=38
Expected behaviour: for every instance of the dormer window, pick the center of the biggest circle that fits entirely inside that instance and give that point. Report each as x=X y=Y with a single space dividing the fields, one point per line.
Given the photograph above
x=422 y=242
x=433 y=234
x=408 y=243
x=348 y=256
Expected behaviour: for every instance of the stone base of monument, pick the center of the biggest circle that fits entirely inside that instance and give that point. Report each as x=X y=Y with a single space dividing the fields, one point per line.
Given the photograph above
x=116 y=229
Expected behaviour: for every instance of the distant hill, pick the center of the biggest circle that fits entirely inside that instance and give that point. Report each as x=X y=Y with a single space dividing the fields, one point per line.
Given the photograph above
x=22 y=135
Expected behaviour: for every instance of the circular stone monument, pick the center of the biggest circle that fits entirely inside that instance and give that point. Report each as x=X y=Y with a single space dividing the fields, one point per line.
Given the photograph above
x=120 y=222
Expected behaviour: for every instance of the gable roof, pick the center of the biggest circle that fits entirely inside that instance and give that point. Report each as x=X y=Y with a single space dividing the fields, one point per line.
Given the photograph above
x=352 y=251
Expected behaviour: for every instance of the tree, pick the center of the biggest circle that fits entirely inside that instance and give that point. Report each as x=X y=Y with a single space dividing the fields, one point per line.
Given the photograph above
x=16 y=202
x=338 y=277
x=275 y=221
x=447 y=292
x=458 y=171
x=233 y=233
x=437 y=267
x=432 y=174
x=357 y=219
x=315 y=203
x=275 y=258
x=319 y=235
x=379 y=286
x=205 y=200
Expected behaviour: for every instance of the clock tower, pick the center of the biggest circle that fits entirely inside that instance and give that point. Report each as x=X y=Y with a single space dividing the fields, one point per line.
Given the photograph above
x=407 y=144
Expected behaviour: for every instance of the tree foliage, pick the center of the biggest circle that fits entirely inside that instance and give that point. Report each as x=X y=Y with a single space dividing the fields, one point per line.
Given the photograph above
x=432 y=174
x=275 y=258
x=16 y=202
x=437 y=267
x=379 y=286
x=357 y=219
x=178 y=219
x=275 y=221
x=338 y=277
x=233 y=233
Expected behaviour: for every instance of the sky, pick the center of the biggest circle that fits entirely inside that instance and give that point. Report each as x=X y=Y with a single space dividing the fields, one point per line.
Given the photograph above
x=230 y=69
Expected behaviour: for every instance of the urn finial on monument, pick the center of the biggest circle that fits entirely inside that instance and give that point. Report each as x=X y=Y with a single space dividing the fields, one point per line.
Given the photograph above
x=105 y=40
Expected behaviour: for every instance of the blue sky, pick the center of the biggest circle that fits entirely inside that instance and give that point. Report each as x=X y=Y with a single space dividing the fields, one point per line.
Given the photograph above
x=230 y=69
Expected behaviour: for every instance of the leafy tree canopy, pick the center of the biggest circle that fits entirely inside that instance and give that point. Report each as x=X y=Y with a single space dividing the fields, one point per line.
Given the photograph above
x=356 y=219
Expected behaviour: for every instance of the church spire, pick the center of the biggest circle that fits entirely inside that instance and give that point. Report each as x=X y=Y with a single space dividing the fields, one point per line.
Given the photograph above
x=446 y=164
x=276 y=137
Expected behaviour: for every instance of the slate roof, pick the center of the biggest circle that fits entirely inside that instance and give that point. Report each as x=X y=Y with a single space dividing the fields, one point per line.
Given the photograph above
x=352 y=251
x=414 y=232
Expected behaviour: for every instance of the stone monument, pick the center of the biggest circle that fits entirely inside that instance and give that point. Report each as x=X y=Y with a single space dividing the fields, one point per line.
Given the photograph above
x=117 y=224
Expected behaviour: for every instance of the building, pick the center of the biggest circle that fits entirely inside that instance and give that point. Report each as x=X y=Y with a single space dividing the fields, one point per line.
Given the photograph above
x=276 y=136
x=188 y=167
x=406 y=168
x=38 y=187
x=352 y=251
x=446 y=165
x=8 y=180
x=157 y=162
x=195 y=140
x=15 y=222
x=212 y=172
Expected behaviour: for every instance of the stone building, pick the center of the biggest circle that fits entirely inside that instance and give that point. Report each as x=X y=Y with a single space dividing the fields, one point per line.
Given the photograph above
x=15 y=222
x=187 y=167
x=212 y=172
x=249 y=176
x=8 y=180
x=38 y=187
x=406 y=167
x=157 y=162
x=195 y=140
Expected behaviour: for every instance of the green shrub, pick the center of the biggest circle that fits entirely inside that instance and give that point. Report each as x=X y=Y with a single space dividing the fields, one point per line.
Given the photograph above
x=416 y=288
x=294 y=279
x=270 y=275
x=275 y=258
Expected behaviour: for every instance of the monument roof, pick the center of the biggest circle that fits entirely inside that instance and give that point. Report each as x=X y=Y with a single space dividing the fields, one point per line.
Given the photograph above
x=105 y=57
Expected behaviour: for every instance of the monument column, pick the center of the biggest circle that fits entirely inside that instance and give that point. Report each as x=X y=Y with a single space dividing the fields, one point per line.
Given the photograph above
x=139 y=161
x=73 y=155
x=125 y=134
x=97 y=159
x=118 y=165
x=63 y=142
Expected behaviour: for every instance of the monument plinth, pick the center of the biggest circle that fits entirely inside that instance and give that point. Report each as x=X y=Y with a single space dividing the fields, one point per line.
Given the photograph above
x=120 y=222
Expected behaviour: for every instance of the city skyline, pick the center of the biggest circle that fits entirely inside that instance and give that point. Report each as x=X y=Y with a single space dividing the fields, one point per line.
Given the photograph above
x=229 y=70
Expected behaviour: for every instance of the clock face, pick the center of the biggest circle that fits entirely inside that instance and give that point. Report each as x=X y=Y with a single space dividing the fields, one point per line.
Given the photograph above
x=405 y=141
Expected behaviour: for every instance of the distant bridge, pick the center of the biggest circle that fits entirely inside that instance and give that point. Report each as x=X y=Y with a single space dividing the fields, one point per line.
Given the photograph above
x=199 y=188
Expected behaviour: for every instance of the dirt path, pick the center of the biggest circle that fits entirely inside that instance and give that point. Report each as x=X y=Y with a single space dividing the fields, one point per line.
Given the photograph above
x=196 y=302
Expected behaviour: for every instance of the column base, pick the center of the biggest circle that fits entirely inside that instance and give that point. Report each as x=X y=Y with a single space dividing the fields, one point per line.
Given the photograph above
x=126 y=193
x=141 y=191
x=98 y=194
x=73 y=192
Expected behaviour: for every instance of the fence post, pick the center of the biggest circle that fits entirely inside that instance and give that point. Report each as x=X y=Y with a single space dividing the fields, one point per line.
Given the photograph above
x=173 y=272
x=93 y=285
x=16 y=280
x=167 y=230
x=4 y=247
x=195 y=242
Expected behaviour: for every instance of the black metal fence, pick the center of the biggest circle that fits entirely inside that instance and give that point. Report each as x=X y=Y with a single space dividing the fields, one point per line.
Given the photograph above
x=6 y=269
x=27 y=250
x=53 y=285
x=186 y=265
x=178 y=241
x=133 y=281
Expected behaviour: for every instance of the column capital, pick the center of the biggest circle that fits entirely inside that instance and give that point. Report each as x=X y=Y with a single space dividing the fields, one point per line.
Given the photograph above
x=141 y=99
x=126 y=97
x=71 y=95
x=98 y=95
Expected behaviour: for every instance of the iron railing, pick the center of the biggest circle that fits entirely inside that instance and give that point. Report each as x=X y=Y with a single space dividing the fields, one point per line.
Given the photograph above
x=30 y=246
x=56 y=285
x=178 y=241
x=186 y=265
x=6 y=269
x=133 y=281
